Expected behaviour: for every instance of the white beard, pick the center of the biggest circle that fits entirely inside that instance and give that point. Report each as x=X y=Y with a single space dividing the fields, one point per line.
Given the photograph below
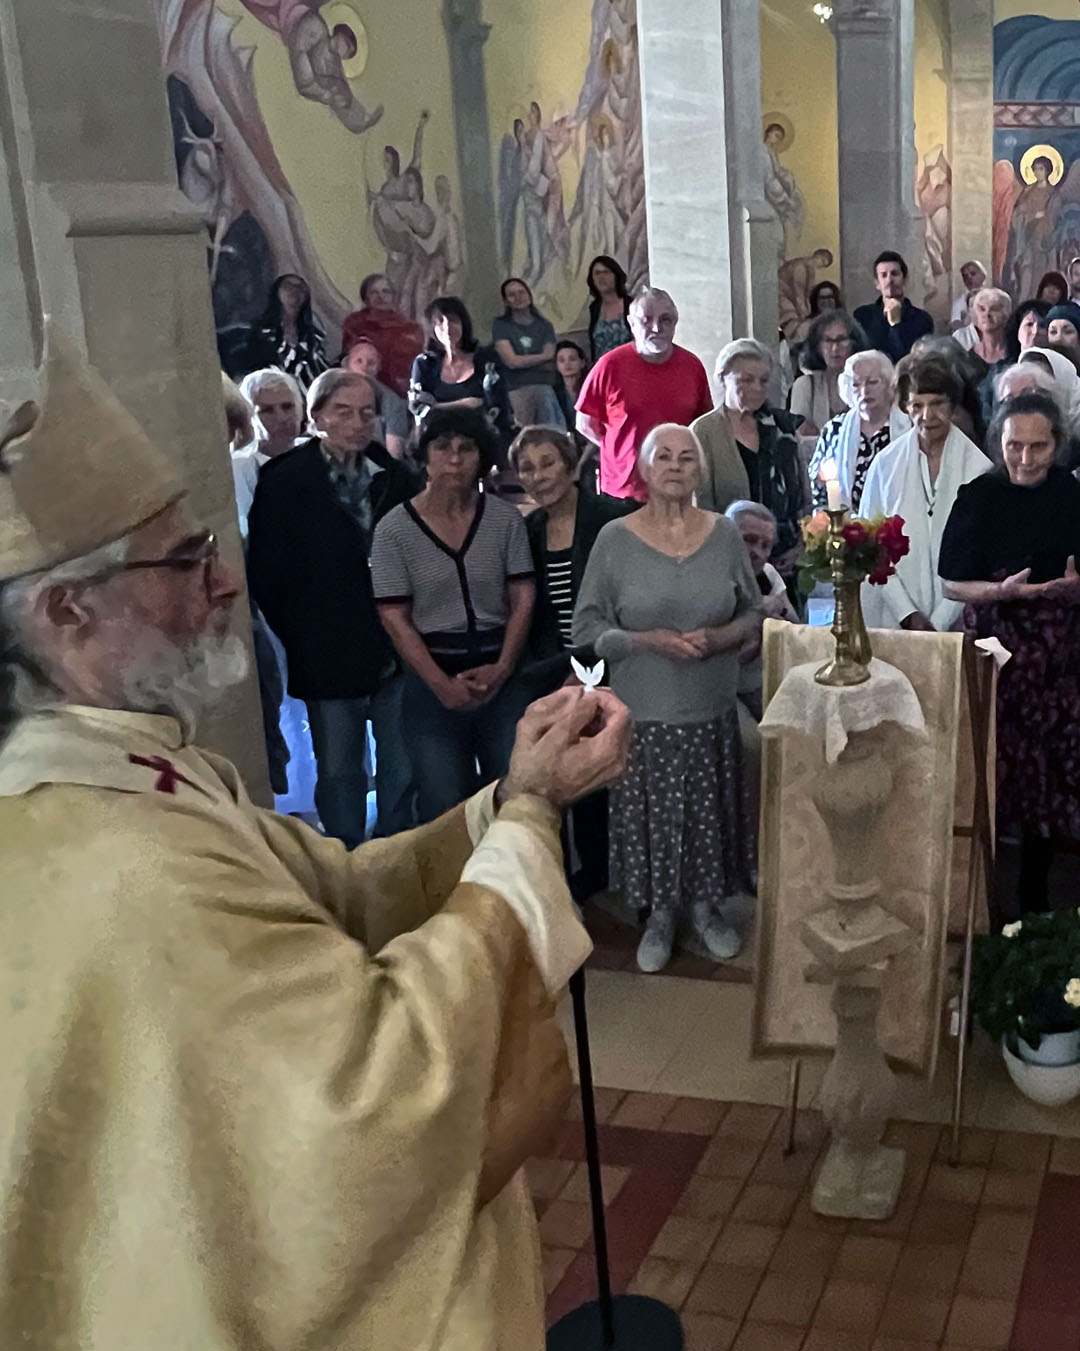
x=164 y=677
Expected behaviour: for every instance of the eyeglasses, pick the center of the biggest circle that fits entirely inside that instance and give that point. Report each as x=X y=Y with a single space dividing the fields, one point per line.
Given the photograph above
x=201 y=551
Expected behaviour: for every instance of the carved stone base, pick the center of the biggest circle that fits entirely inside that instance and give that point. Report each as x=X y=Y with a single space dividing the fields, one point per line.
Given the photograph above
x=859 y=1184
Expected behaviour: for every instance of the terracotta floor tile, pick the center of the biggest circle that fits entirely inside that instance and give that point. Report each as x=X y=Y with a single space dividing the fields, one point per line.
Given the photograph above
x=750 y=1120
x=902 y=1344
x=724 y=1290
x=709 y=1198
x=695 y=1116
x=786 y=1298
x=917 y=1138
x=849 y=1306
x=1002 y=1230
x=566 y=1224
x=828 y=1339
x=709 y=1332
x=555 y=1261
x=780 y=1170
x=547 y=1177
x=1012 y=1191
x=866 y=1259
x=1038 y=1330
x=685 y=1240
x=941 y=1222
x=963 y=1183
x=931 y=1267
x=976 y=1146
x=808 y=1255
x=763 y=1203
x=605 y=1099
x=768 y=1337
x=577 y=1184
x=644 y=1110
x=983 y=1323
x=1065 y=1157
x=745 y=1245
x=915 y=1314
x=805 y=1217
x=1020 y=1152
x=730 y=1156
x=991 y=1275
x=664 y=1280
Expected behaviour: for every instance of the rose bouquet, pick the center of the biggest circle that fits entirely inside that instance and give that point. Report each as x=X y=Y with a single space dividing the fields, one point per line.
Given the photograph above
x=872 y=549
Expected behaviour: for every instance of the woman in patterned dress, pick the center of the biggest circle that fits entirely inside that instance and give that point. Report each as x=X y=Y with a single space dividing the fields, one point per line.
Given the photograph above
x=668 y=600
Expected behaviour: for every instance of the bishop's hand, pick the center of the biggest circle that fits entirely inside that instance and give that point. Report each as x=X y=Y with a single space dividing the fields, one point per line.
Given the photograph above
x=568 y=745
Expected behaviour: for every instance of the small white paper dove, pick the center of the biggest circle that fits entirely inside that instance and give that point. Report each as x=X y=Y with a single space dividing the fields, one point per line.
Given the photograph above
x=590 y=676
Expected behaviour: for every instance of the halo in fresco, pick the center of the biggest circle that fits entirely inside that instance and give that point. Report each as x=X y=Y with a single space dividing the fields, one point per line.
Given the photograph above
x=1027 y=173
x=340 y=11
x=785 y=124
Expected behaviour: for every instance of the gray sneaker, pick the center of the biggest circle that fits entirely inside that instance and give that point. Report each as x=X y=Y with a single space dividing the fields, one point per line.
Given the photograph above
x=721 y=939
x=654 y=950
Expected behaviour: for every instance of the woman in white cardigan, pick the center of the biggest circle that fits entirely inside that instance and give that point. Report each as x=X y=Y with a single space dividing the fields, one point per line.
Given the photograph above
x=853 y=440
x=917 y=478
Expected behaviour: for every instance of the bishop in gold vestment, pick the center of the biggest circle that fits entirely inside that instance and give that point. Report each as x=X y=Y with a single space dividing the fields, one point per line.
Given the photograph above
x=259 y=1093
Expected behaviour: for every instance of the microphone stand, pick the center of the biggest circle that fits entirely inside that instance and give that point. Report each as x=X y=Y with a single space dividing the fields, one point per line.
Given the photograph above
x=610 y=1322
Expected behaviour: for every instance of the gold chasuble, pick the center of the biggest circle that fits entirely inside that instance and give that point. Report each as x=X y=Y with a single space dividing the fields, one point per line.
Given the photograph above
x=260 y=1094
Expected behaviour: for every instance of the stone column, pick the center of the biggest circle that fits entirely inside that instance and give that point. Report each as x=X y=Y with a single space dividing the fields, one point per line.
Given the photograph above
x=466 y=34
x=876 y=135
x=971 y=129
x=94 y=230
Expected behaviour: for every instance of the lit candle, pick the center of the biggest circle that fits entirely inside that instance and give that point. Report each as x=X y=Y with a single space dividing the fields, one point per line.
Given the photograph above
x=829 y=477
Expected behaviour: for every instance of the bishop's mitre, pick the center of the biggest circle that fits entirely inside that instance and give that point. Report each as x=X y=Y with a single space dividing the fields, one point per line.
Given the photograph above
x=76 y=469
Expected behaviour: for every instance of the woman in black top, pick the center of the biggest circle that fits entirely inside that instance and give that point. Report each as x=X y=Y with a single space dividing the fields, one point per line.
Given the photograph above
x=287 y=335
x=609 y=304
x=455 y=371
x=1009 y=551
x=562 y=531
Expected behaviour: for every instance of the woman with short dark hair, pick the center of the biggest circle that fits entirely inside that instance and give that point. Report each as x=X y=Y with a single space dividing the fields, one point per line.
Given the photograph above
x=287 y=336
x=1052 y=288
x=1026 y=328
x=609 y=305
x=453 y=578
x=1009 y=554
x=918 y=478
x=455 y=371
x=815 y=395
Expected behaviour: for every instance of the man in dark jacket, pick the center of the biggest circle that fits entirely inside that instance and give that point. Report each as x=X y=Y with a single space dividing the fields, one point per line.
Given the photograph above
x=892 y=323
x=310 y=530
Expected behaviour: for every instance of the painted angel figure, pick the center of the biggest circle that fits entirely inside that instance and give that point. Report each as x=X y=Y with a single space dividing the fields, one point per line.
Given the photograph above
x=529 y=176
x=601 y=195
x=782 y=191
x=317 y=56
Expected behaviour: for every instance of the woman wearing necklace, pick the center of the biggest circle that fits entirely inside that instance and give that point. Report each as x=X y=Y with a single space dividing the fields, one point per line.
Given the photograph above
x=668 y=601
x=917 y=478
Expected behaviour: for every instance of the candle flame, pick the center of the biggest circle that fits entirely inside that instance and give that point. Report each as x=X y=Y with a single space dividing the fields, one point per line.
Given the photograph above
x=828 y=471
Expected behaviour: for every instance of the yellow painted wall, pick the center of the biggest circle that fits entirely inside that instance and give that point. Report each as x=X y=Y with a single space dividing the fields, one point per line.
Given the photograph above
x=1052 y=9
x=798 y=64
x=931 y=84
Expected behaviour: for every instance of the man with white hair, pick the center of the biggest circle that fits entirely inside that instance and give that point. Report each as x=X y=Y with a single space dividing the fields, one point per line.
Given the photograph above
x=311 y=525
x=278 y=410
x=636 y=387
x=258 y=1091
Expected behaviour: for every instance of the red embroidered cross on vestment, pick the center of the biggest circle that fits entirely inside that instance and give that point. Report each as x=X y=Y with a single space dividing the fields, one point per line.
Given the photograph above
x=168 y=775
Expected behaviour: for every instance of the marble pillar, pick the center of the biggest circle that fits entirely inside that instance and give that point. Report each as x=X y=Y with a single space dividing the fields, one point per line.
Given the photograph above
x=701 y=122
x=875 y=42
x=466 y=34
x=971 y=130
x=94 y=230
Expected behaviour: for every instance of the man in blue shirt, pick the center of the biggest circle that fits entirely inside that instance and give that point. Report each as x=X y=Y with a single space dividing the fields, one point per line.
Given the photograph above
x=892 y=323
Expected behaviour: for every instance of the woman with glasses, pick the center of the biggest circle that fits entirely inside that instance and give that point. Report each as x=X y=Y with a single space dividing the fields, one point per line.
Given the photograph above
x=815 y=395
x=852 y=441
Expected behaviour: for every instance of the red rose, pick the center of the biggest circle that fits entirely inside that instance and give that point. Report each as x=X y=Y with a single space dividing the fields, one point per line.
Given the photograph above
x=854 y=533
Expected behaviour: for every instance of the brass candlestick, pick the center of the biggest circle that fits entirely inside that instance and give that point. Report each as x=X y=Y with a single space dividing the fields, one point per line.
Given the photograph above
x=851 y=663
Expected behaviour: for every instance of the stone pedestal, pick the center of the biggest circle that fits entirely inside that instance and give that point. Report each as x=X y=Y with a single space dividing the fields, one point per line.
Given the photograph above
x=712 y=239
x=875 y=42
x=852 y=938
x=94 y=230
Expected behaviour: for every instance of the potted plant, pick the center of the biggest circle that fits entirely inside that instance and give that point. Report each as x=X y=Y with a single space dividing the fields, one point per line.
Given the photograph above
x=1025 y=992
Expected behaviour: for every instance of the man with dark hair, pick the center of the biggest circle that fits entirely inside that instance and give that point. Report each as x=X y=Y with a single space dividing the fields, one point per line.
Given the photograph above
x=892 y=323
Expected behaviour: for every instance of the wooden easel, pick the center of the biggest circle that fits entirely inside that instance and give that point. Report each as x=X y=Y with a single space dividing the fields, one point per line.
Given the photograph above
x=978 y=673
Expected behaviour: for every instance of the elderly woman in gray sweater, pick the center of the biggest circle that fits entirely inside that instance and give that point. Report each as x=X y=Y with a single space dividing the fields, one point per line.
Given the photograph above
x=668 y=599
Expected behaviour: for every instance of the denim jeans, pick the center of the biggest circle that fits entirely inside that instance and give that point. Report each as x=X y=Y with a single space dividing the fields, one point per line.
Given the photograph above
x=537 y=405
x=339 y=739
x=453 y=754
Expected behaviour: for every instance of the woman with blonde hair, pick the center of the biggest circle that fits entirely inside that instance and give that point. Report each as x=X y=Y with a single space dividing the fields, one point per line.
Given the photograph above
x=668 y=601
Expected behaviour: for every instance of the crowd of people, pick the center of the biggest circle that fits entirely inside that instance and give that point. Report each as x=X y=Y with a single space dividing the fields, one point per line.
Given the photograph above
x=461 y=518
